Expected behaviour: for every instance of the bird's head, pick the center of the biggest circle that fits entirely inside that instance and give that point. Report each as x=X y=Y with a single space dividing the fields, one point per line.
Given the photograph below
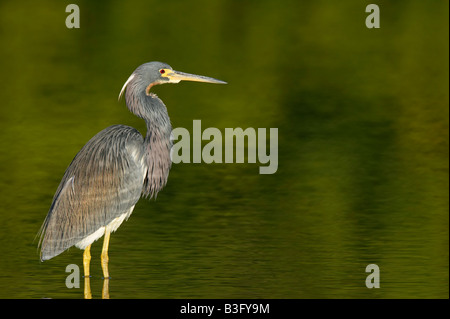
x=153 y=73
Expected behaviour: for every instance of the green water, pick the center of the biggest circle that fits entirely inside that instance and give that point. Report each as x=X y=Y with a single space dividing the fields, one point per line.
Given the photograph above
x=362 y=118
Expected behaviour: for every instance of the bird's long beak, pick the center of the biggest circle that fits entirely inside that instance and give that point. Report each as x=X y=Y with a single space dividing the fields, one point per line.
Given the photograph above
x=176 y=76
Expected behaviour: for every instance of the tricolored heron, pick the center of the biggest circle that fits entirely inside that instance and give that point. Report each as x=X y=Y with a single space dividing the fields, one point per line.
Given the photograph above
x=108 y=175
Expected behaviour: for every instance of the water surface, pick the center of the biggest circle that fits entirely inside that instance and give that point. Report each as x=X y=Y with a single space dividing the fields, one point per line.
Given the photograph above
x=362 y=118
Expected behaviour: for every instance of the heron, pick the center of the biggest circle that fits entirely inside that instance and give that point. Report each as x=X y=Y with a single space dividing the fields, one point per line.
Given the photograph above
x=106 y=178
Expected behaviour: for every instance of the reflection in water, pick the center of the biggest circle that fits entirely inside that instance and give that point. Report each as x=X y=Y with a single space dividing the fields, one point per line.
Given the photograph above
x=105 y=289
x=87 y=288
x=88 y=292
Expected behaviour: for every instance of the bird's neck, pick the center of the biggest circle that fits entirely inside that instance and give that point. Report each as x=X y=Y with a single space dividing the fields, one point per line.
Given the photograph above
x=157 y=145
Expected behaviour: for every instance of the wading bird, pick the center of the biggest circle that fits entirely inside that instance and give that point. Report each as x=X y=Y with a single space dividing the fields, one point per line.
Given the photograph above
x=110 y=173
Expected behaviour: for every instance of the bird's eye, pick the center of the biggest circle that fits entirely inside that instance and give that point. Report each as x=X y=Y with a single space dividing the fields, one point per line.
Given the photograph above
x=162 y=71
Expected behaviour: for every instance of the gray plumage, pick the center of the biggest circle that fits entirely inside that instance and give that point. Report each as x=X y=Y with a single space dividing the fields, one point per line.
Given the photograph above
x=109 y=174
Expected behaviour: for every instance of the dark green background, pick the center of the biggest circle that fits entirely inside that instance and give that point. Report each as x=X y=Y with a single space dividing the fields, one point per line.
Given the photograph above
x=362 y=117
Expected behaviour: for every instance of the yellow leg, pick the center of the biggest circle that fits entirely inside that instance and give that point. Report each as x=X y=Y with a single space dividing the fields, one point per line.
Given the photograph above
x=105 y=254
x=87 y=288
x=105 y=290
x=87 y=260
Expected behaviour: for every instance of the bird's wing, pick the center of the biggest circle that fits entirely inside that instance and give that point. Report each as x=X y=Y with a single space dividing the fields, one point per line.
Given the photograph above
x=103 y=182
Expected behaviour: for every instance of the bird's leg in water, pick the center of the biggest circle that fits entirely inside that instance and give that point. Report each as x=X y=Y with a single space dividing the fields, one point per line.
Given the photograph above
x=87 y=260
x=105 y=254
